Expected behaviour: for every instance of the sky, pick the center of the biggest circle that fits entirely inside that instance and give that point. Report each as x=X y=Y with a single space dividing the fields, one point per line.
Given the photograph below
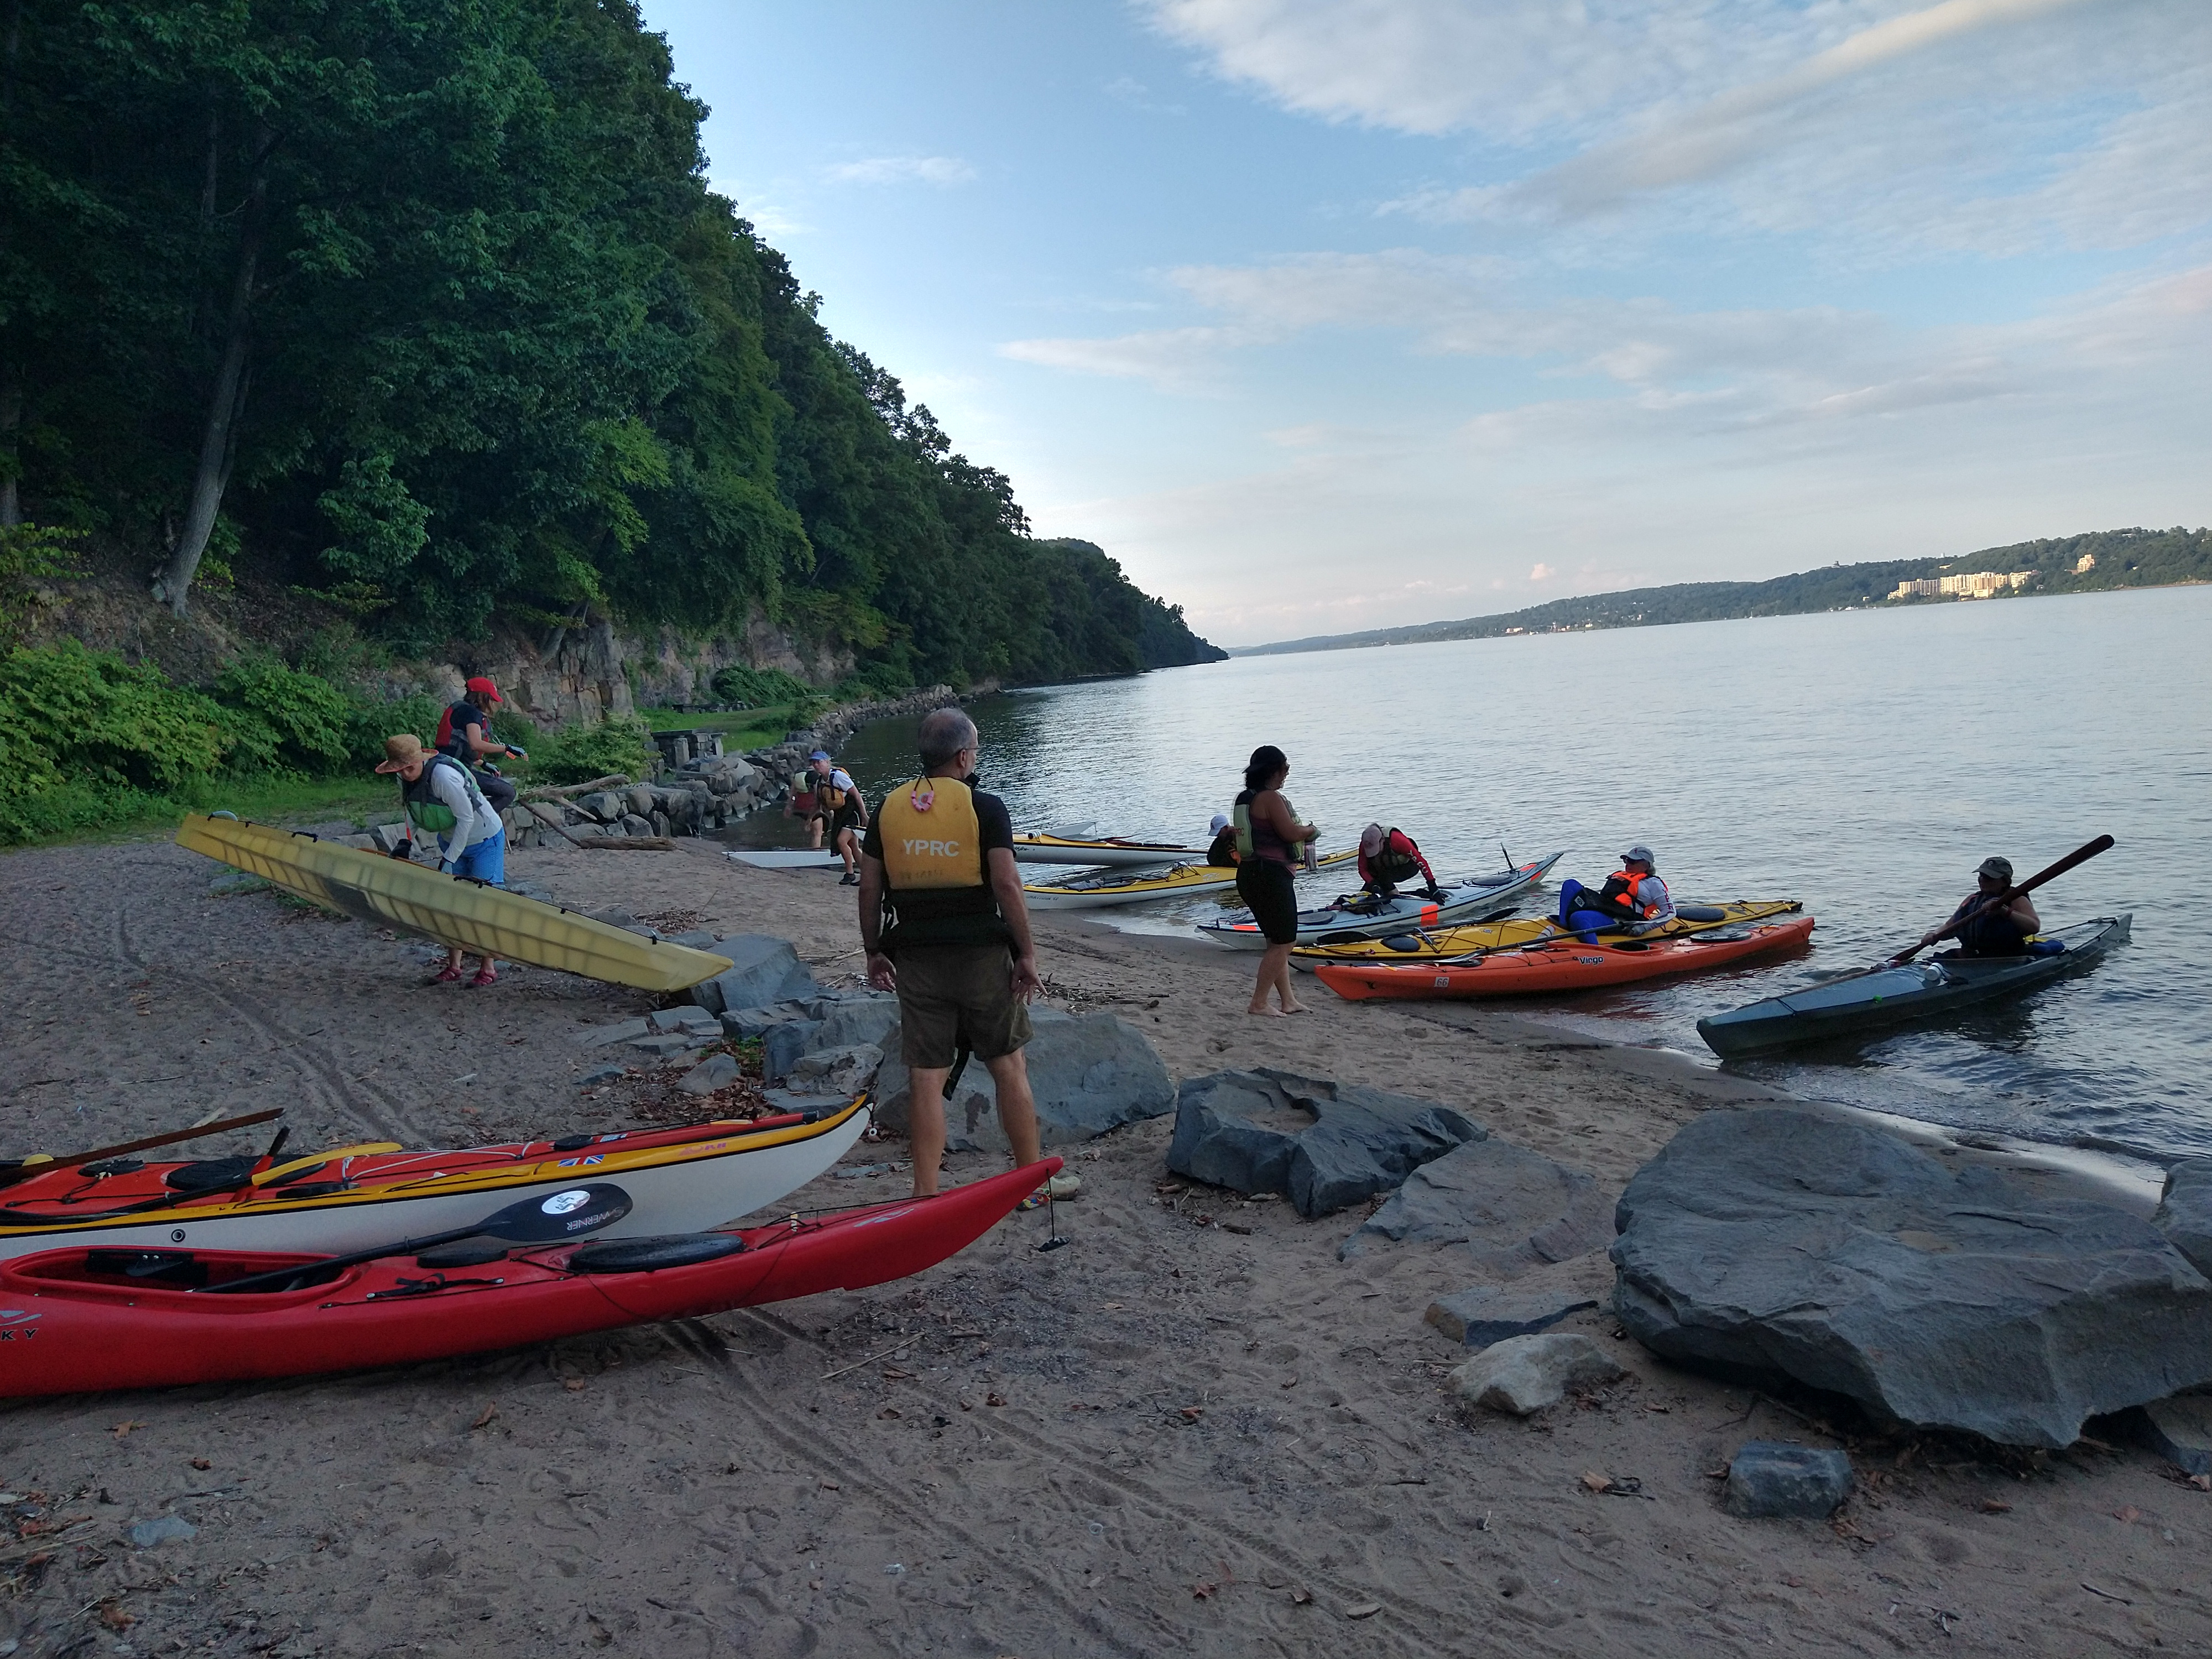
x=1323 y=315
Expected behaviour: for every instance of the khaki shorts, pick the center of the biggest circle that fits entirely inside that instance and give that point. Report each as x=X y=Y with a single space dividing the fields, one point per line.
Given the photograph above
x=947 y=992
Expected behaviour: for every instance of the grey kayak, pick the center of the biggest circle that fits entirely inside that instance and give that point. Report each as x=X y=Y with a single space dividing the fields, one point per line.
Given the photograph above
x=1896 y=996
x=1477 y=899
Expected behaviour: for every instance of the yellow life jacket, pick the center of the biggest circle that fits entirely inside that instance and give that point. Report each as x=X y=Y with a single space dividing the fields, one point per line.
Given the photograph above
x=934 y=876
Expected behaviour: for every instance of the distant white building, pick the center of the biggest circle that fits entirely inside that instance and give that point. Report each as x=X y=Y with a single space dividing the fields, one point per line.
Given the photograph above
x=1979 y=586
x=2087 y=563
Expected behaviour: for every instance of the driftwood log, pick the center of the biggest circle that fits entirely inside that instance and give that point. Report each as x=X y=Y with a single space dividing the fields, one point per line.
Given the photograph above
x=547 y=791
x=624 y=843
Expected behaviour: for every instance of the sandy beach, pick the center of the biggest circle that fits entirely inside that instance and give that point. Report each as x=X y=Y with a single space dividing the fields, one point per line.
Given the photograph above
x=1190 y=1430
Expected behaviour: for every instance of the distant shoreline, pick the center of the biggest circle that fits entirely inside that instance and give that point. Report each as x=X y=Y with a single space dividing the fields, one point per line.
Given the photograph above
x=2100 y=563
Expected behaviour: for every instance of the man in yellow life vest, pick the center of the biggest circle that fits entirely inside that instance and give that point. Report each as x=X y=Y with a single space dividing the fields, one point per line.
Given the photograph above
x=939 y=860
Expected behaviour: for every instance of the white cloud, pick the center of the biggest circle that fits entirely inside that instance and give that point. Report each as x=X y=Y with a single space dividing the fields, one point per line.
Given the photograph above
x=902 y=170
x=1989 y=125
x=1539 y=572
x=1171 y=359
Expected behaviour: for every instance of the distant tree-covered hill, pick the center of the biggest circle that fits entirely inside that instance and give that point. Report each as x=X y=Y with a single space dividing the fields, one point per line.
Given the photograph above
x=427 y=311
x=2122 y=558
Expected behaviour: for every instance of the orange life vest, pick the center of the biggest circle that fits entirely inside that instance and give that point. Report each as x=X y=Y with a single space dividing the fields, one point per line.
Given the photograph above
x=1628 y=882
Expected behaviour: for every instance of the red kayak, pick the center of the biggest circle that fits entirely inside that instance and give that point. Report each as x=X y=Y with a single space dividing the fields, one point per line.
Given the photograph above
x=86 y=1318
x=1557 y=966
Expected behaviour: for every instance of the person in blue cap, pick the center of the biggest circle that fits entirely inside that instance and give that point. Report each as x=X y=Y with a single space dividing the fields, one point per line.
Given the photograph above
x=839 y=813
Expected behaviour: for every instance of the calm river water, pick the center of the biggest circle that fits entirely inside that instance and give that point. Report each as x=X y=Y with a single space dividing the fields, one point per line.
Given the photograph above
x=1862 y=762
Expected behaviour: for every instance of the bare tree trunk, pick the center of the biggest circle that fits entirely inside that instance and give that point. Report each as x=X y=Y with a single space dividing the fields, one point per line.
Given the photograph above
x=225 y=403
x=12 y=417
x=8 y=54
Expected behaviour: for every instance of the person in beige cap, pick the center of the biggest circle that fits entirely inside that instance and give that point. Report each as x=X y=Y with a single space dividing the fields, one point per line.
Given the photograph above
x=442 y=802
x=1992 y=920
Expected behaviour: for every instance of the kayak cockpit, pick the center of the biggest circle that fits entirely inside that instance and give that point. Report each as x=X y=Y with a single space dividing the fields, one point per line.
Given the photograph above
x=175 y=1272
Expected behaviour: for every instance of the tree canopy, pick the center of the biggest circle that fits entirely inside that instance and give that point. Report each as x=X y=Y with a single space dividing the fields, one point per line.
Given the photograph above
x=426 y=307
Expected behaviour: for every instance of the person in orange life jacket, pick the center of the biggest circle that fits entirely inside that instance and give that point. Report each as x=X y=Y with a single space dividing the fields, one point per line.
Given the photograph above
x=1632 y=897
x=1222 y=851
x=441 y=799
x=1388 y=857
x=464 y=734
x=939 y=858
x=1269 y=839
x=1988 y=924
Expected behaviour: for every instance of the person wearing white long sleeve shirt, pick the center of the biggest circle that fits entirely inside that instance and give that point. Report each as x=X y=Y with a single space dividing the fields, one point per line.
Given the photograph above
x=444 y=804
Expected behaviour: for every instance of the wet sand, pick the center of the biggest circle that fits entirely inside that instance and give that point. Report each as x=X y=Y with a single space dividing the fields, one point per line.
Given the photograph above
x=1191 y=1430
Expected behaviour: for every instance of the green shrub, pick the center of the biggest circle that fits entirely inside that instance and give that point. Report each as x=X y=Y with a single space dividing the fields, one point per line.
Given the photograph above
x=305 y=721
x=577 y=754
x=758 y=688
x=68 y=712
x=368 y=724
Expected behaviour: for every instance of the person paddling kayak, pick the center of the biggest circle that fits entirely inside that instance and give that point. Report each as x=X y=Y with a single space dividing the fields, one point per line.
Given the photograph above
x=1986 y=923
x=1634 y=898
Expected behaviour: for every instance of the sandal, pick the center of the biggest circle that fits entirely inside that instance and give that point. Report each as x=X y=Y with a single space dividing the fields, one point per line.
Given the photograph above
x=1036 y=1200
x=485 y=976
x=448 y=974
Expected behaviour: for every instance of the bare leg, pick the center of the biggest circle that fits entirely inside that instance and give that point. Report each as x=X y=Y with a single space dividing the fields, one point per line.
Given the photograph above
x=1274 y=965
x=1010 y=1075
x=814 y=834
x=848 y=848
x=1284 y=993
x=925 y=1127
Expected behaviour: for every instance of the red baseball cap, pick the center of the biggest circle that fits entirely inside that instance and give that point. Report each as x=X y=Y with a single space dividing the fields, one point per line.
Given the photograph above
x=482 y=687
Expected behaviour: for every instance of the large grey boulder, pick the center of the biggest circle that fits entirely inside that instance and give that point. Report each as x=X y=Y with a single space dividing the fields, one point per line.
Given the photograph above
x=1510 y=1208
x=763 y=970
x=1088 y=1073
x=1322 y=1144
x=2185 y=1211
x=1775 y=1241
x=782 y=1047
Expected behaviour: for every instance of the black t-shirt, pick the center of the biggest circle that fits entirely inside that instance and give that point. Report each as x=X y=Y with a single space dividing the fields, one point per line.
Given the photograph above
x=464 y=715
x=993 y=821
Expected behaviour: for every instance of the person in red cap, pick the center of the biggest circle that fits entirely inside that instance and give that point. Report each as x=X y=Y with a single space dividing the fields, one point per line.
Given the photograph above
x=464 y=734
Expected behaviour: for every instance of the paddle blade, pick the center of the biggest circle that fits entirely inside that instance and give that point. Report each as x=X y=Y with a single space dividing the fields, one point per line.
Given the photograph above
x=572 y=1212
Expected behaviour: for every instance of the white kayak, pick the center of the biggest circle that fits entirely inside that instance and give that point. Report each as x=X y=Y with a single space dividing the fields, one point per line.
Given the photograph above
x=1097 y=892
x=788 y=858
x=1103 y=852
x=1362 y=917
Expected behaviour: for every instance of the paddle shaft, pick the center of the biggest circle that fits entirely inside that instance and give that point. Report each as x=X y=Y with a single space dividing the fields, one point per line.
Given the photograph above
x=8 y=1178
x=2081 y=854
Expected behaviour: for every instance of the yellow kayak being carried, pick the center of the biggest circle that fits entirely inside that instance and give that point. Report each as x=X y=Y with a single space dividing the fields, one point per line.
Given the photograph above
x=1096 y=892
x=1446 y=944
x=461 y=913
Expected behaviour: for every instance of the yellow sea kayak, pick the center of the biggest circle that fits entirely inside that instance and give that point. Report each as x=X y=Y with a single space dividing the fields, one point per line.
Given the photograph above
x=463 y=914
x=1441 y=943
x=1093 y=893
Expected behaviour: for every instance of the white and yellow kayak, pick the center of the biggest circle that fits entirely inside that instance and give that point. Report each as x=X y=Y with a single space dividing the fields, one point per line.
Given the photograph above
x=1103 y=852
x=1473 y=938
x=463 y=914
x=1184 y=880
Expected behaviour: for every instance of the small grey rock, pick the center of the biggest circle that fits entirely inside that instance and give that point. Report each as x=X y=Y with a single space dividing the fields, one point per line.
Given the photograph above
x=601 y=1075
x=697 y=940
x=685 y=1018
x=716 y=1072
x=744 y=1025
x=2180 y=1430
x=635 y=823
x=674 y=1042
x=1525 y=1374
x=600 y=1036
x=1481 y=1316
x=150 y=1534
x=1774 y=1479
x=841 y=1071
x=782 y=1046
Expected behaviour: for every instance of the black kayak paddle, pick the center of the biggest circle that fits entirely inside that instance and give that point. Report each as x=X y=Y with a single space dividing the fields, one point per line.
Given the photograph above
x=569 y=1213
x=2081 y=854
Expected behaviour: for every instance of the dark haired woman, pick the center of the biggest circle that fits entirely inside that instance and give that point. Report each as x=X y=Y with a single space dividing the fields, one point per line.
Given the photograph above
x=1268 y=838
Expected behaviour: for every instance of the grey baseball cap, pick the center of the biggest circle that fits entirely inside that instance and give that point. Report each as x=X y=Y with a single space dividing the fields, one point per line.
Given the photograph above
x=1999 y=869
x=1639 y=854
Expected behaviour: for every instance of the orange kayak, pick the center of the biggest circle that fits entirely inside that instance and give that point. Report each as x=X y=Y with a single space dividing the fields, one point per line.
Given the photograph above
x=1561 y=965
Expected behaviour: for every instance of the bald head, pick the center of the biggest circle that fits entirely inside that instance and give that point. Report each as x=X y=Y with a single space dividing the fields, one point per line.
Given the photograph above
x=945 y=733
